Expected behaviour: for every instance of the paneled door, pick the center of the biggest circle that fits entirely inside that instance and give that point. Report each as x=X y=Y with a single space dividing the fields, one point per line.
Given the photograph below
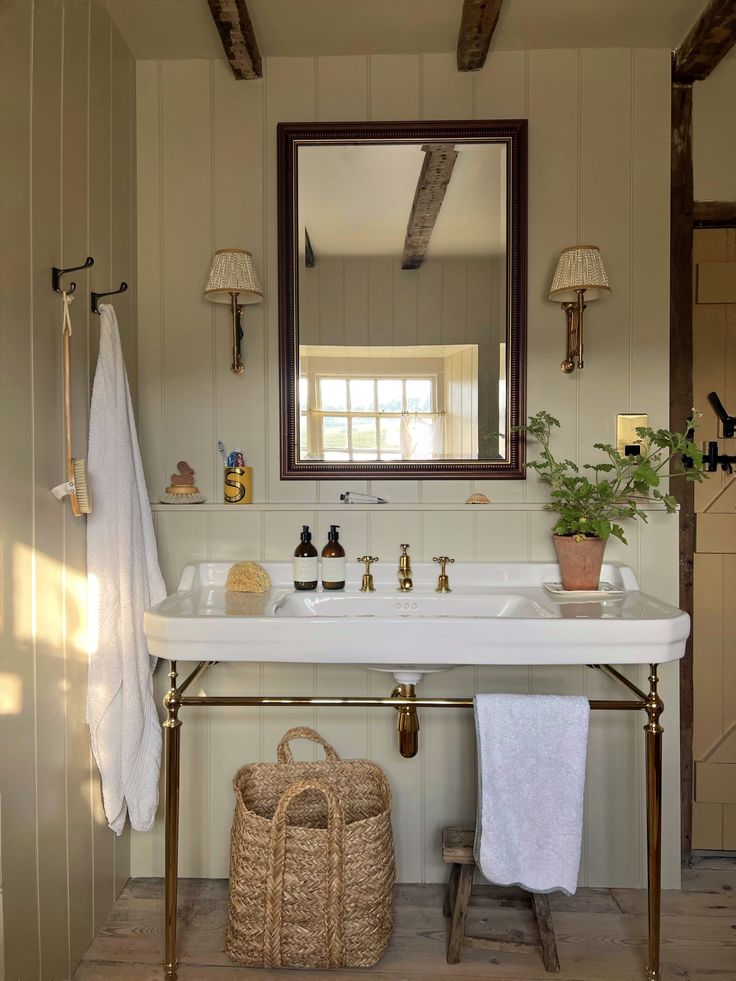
x=714 y=369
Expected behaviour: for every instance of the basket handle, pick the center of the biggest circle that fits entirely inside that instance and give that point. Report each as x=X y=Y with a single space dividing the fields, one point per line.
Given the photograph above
x=335 y=867
x=283 y=750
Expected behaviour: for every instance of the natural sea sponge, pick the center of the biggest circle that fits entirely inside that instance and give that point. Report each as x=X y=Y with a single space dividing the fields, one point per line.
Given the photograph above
x=247 y=577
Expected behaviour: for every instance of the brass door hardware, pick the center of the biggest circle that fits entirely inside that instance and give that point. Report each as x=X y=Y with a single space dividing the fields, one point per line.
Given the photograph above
x=405 y=580
x=443 y=583
x=628 y=441
x=366 y=585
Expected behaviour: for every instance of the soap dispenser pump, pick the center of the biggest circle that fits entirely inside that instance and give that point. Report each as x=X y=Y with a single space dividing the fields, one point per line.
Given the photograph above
x=333 y=561
x=305 y=562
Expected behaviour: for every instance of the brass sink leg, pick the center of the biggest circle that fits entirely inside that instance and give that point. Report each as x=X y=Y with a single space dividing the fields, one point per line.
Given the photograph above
x=172 y=727
x=408 y=723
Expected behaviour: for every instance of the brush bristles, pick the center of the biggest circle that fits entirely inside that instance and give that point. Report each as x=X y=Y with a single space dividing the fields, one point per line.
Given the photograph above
x=81 y=487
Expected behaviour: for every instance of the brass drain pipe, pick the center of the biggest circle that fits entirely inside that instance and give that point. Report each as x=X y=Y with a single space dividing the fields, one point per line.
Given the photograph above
x=407 y=725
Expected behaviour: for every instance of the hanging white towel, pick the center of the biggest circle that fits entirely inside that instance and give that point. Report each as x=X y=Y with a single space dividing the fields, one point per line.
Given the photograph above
x=531 y=780
x=124 y=580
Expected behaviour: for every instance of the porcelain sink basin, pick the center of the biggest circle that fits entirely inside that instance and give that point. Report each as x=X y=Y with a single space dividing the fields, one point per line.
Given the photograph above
x=497 y=613
x=414 y=604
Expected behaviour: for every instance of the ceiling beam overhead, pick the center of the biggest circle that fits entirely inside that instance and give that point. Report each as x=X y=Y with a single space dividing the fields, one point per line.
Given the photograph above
x=238 y=38
x=478 y=22
x=439 y=162
x=710 y=39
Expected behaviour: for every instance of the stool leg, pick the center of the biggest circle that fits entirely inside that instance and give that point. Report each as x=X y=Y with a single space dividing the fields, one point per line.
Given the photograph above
x=451 y=890
x=459 y=913
x=540 y=905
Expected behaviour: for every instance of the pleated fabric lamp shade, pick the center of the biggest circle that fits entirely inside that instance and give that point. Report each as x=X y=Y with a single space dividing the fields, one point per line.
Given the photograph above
x=233 y=271
x=579 y=268
x=233 y=279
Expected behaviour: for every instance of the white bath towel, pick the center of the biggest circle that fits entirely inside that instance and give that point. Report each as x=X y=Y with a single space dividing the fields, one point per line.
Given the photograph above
x=124 y=579
x=531 y=780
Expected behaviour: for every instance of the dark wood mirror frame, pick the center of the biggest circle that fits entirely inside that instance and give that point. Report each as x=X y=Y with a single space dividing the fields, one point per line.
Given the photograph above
x=290 y=137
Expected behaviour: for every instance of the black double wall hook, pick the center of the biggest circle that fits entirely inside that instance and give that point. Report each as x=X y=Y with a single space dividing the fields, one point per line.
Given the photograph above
x=57 y=273
x=95 y=297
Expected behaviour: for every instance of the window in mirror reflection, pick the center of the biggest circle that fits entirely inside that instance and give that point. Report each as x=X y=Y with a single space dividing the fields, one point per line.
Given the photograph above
x=376 y=403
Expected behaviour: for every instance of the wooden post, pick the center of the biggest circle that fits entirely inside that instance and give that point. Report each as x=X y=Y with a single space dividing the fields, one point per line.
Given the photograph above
x=681 y=402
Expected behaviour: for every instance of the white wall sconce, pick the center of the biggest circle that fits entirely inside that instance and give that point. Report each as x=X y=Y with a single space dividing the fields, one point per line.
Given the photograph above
x=579 y=278
x=233 y=279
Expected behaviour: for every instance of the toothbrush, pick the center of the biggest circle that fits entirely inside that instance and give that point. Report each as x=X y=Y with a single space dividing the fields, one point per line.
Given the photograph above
x=221 y=448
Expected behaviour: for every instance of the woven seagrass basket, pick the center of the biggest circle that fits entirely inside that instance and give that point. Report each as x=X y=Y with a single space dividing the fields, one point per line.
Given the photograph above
x=311 y=862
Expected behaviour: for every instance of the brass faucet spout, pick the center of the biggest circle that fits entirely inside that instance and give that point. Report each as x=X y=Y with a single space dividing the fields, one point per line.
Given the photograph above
x=405 y=581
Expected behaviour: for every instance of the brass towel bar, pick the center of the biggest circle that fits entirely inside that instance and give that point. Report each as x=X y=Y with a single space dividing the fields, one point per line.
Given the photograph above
x=404 y=701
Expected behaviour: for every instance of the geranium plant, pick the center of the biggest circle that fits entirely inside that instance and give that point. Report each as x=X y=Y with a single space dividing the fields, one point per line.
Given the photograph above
x=591 y=500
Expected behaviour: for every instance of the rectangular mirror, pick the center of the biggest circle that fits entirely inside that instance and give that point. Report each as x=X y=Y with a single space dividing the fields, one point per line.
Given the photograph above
x=402 y=299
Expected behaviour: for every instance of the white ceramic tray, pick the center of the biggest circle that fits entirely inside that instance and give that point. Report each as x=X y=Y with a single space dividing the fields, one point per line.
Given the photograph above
x=605 y=590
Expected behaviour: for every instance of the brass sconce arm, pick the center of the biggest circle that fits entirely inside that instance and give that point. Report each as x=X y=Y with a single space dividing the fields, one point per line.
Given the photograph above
x=236 y=308
x=579 y=271
x=574 y=317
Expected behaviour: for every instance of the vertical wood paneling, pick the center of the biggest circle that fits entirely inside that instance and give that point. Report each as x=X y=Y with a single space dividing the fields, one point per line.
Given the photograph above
x=20 y=885
x=650 y=204
x=573 y=155
x=342 y=88
x=605 y=220
x=56 y=205
x=554 y=182
x=48 y=527
x=75 y=179
x=100 y=221
x=187 y=217
x=151 y=298
x=238 y=189
x=290 y=96
x=395 y=87
x=122 y=175
x=182 y=540
x=446 y=92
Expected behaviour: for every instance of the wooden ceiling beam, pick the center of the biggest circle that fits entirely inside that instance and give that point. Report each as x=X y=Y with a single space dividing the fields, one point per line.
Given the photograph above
x=710 y=39
x=478 y=22
x=238 y=38
x=439 y=162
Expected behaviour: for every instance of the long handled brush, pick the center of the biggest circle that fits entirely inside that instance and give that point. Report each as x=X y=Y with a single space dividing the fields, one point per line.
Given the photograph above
x=76 y=470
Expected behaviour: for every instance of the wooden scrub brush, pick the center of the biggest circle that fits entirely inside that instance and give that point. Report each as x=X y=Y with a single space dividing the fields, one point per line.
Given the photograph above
x=246 y=590
x=77 y=486
x=181 y=490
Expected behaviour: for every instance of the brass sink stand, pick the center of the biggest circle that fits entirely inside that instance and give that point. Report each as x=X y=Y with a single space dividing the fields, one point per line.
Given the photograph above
x=404 y=700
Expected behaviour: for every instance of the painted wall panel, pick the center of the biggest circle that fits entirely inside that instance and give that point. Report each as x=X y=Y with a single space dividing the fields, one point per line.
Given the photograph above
x=67 y=110
x=573 y=155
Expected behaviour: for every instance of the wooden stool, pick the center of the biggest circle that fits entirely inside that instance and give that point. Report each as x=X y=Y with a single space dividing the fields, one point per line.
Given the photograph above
x=457 y=851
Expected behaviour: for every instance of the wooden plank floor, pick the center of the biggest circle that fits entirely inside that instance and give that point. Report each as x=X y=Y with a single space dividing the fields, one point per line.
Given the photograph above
x=601 y=935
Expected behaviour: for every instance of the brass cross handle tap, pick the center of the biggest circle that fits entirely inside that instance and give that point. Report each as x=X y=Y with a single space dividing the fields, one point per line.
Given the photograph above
x=443 y=583
x=366 y=585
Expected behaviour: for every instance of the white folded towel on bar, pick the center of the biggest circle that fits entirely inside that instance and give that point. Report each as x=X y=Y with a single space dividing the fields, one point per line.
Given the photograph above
x=531 y=781
x=124 y=579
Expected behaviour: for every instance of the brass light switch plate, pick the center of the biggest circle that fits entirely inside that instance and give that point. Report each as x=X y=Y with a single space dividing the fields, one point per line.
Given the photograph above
x=626 y=435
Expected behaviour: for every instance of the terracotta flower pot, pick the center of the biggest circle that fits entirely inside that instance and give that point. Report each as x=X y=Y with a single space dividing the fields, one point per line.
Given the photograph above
x=580 y=561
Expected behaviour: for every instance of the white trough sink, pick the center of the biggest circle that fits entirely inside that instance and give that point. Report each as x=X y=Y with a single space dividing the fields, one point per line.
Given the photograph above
x=414 y=604
x=497 y=613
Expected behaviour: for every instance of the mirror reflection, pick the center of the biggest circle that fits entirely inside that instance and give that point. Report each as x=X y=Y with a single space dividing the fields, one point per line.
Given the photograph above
x=402 y=309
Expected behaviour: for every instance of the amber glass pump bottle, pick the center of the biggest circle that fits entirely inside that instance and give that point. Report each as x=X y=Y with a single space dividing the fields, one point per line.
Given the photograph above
x=333 y=561
x=305 y=562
